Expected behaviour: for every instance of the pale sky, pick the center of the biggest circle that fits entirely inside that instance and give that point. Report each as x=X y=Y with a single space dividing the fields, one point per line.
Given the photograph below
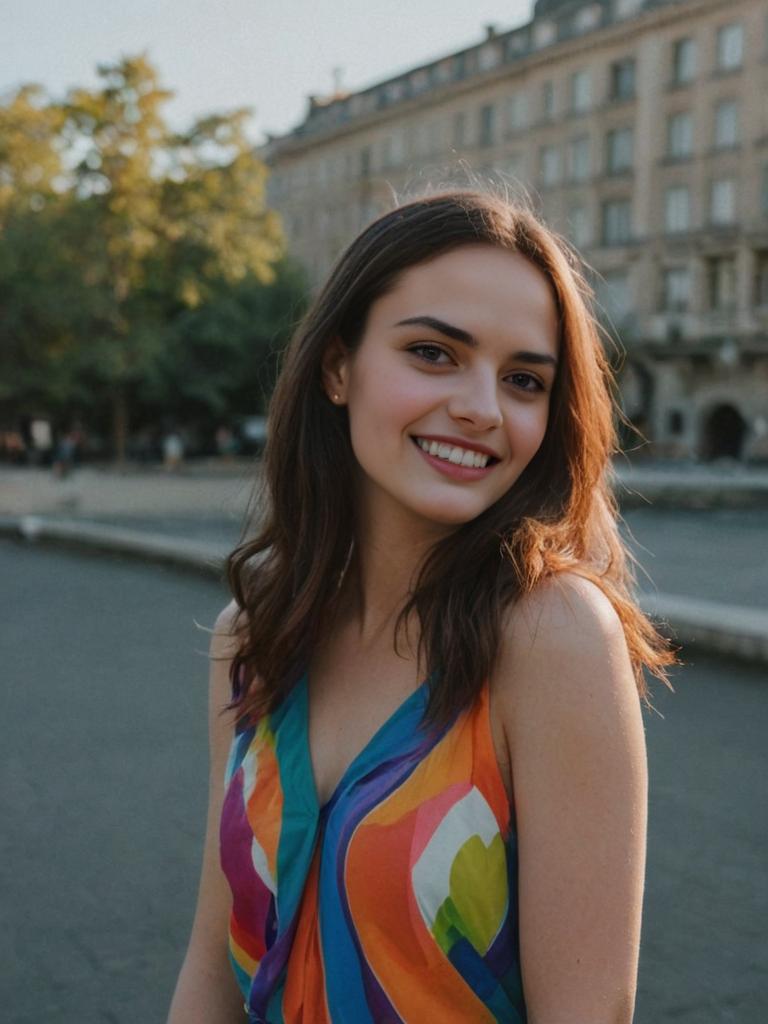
x=220 y=54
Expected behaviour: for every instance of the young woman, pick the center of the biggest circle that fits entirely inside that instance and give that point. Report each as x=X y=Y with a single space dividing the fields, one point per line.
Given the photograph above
x=428 y=788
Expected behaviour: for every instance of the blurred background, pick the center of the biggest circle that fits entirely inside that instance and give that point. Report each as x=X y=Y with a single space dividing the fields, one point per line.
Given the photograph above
x=176 y=181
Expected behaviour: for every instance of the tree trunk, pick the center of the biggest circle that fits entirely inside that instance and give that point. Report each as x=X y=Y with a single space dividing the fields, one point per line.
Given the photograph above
x=120 y=426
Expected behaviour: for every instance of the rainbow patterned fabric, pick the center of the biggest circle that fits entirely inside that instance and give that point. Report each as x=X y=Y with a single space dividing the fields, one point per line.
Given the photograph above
x=396 y=901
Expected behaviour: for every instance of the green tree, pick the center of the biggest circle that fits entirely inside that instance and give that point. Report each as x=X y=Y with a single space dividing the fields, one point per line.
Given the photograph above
x=189 y=207
x=140 y=269
x=31 y=163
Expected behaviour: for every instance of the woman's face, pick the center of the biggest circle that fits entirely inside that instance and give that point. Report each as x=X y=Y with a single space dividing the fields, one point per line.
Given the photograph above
x=458 y=358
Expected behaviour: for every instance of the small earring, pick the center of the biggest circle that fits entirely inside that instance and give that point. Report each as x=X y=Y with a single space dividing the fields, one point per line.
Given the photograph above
x=335 y=397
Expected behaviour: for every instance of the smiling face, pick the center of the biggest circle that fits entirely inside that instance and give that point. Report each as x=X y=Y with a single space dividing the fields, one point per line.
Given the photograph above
x=457 y=361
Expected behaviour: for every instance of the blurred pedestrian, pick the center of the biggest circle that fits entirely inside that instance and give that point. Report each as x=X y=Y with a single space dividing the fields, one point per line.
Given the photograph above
x=226 y=443
x=426 y=691
x=41 y=436
x=173 y=451
x=65 y=453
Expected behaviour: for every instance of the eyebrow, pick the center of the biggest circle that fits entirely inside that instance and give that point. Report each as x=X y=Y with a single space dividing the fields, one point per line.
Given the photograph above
x=459 y=334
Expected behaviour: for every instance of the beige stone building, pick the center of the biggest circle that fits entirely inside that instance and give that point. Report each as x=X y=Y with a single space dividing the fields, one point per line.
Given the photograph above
x=640 y=130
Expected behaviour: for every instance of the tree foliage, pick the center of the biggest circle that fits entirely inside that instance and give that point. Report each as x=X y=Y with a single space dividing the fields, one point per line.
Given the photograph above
x=141 y=271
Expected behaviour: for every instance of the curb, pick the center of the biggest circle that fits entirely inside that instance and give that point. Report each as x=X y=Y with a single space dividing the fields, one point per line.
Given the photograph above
x=730 y=630
x=689 y=490
x=711 y=626
x=207 y=558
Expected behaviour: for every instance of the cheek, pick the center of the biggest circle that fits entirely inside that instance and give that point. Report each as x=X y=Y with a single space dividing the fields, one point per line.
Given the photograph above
x=384 y=401
x=528 y=425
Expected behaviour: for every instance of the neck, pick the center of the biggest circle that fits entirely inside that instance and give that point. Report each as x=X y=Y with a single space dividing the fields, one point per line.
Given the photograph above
x=386 y=558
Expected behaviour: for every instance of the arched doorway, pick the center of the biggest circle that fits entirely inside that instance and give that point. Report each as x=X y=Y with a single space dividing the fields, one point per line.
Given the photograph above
x=722 y=434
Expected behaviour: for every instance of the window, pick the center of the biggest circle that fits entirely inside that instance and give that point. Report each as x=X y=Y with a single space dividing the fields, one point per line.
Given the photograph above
x=683 y=61
x=544 y=33
x=579 y=228
x=489 y=56
x=722 y=201
x=517 y=111
x=460 y=129
x=676 y=289
x=730 y=46
x=617 y=221
x=548 y=99
x=677 y=209
x=397 y=147
x=680 y=134
x=613 y=295
x=487 y=124
x=626 y=8
x=419 y=80
x=365 y=162
x=726 y=124
x=579 y=158
x=618 y=150
x=586 y=18
x=395 y=90
x=675 y=422
x=459 y=65
x=432 y=137
x=764 y=191
x=581 y=91
x=761 y=279
x=622 y=79
x=550 y=164
x=721 y=283
x=441 y=72
x=516 y=43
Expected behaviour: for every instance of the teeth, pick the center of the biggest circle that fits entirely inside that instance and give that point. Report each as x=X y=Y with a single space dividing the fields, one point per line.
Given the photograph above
x=452 y=453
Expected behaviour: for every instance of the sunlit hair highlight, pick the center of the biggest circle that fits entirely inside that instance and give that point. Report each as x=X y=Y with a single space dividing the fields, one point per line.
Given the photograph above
x=560 y=516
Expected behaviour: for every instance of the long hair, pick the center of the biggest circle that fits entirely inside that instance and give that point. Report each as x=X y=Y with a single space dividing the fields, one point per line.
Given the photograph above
x=560 y=514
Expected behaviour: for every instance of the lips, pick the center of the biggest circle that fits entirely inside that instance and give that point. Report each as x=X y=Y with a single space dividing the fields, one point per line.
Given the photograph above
x=493 y=459
x=455 y=470
x=458 y=442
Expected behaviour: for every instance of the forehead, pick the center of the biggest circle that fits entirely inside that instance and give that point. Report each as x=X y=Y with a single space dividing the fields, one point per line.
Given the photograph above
x=481 y=288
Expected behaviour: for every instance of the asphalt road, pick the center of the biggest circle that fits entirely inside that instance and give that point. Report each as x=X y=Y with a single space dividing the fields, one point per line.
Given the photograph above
x=102 y=799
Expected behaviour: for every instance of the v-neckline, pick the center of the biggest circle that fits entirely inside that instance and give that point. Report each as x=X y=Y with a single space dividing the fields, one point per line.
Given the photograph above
x=416 y=699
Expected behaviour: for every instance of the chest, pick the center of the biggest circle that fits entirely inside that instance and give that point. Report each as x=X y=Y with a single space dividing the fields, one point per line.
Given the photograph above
x=351 y=697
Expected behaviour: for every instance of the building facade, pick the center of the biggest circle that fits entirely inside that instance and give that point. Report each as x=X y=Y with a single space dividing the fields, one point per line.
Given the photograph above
x=639 y=130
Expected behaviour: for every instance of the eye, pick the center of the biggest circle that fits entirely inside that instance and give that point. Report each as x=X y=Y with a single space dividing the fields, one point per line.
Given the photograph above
x=433 y=352
x=526 y=381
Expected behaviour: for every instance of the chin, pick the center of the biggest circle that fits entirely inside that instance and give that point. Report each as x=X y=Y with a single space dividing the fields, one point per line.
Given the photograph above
x=450 y=515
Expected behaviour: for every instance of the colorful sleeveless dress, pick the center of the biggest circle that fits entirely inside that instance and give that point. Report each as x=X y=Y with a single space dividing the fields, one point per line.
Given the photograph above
x=396 y=901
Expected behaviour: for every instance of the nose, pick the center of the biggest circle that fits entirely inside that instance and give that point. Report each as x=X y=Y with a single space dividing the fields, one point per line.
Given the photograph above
x=476 y=401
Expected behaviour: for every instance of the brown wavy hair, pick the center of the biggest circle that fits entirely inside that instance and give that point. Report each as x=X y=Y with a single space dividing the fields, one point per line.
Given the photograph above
x=559 y=516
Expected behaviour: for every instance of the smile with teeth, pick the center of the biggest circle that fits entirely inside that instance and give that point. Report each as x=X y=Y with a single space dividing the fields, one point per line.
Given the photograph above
x=452 y=453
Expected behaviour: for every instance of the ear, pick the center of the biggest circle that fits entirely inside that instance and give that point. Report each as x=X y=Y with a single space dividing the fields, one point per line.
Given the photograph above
x=334 y=370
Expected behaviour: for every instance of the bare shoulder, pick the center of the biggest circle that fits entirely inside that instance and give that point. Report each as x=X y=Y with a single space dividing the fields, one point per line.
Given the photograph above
x=563 y=656
x=224 y=636
x=561 y=614
x=224 y=645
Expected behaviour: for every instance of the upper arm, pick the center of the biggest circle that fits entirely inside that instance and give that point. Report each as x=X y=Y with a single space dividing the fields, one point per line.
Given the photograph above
x=572 y=715
x=206 y=990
